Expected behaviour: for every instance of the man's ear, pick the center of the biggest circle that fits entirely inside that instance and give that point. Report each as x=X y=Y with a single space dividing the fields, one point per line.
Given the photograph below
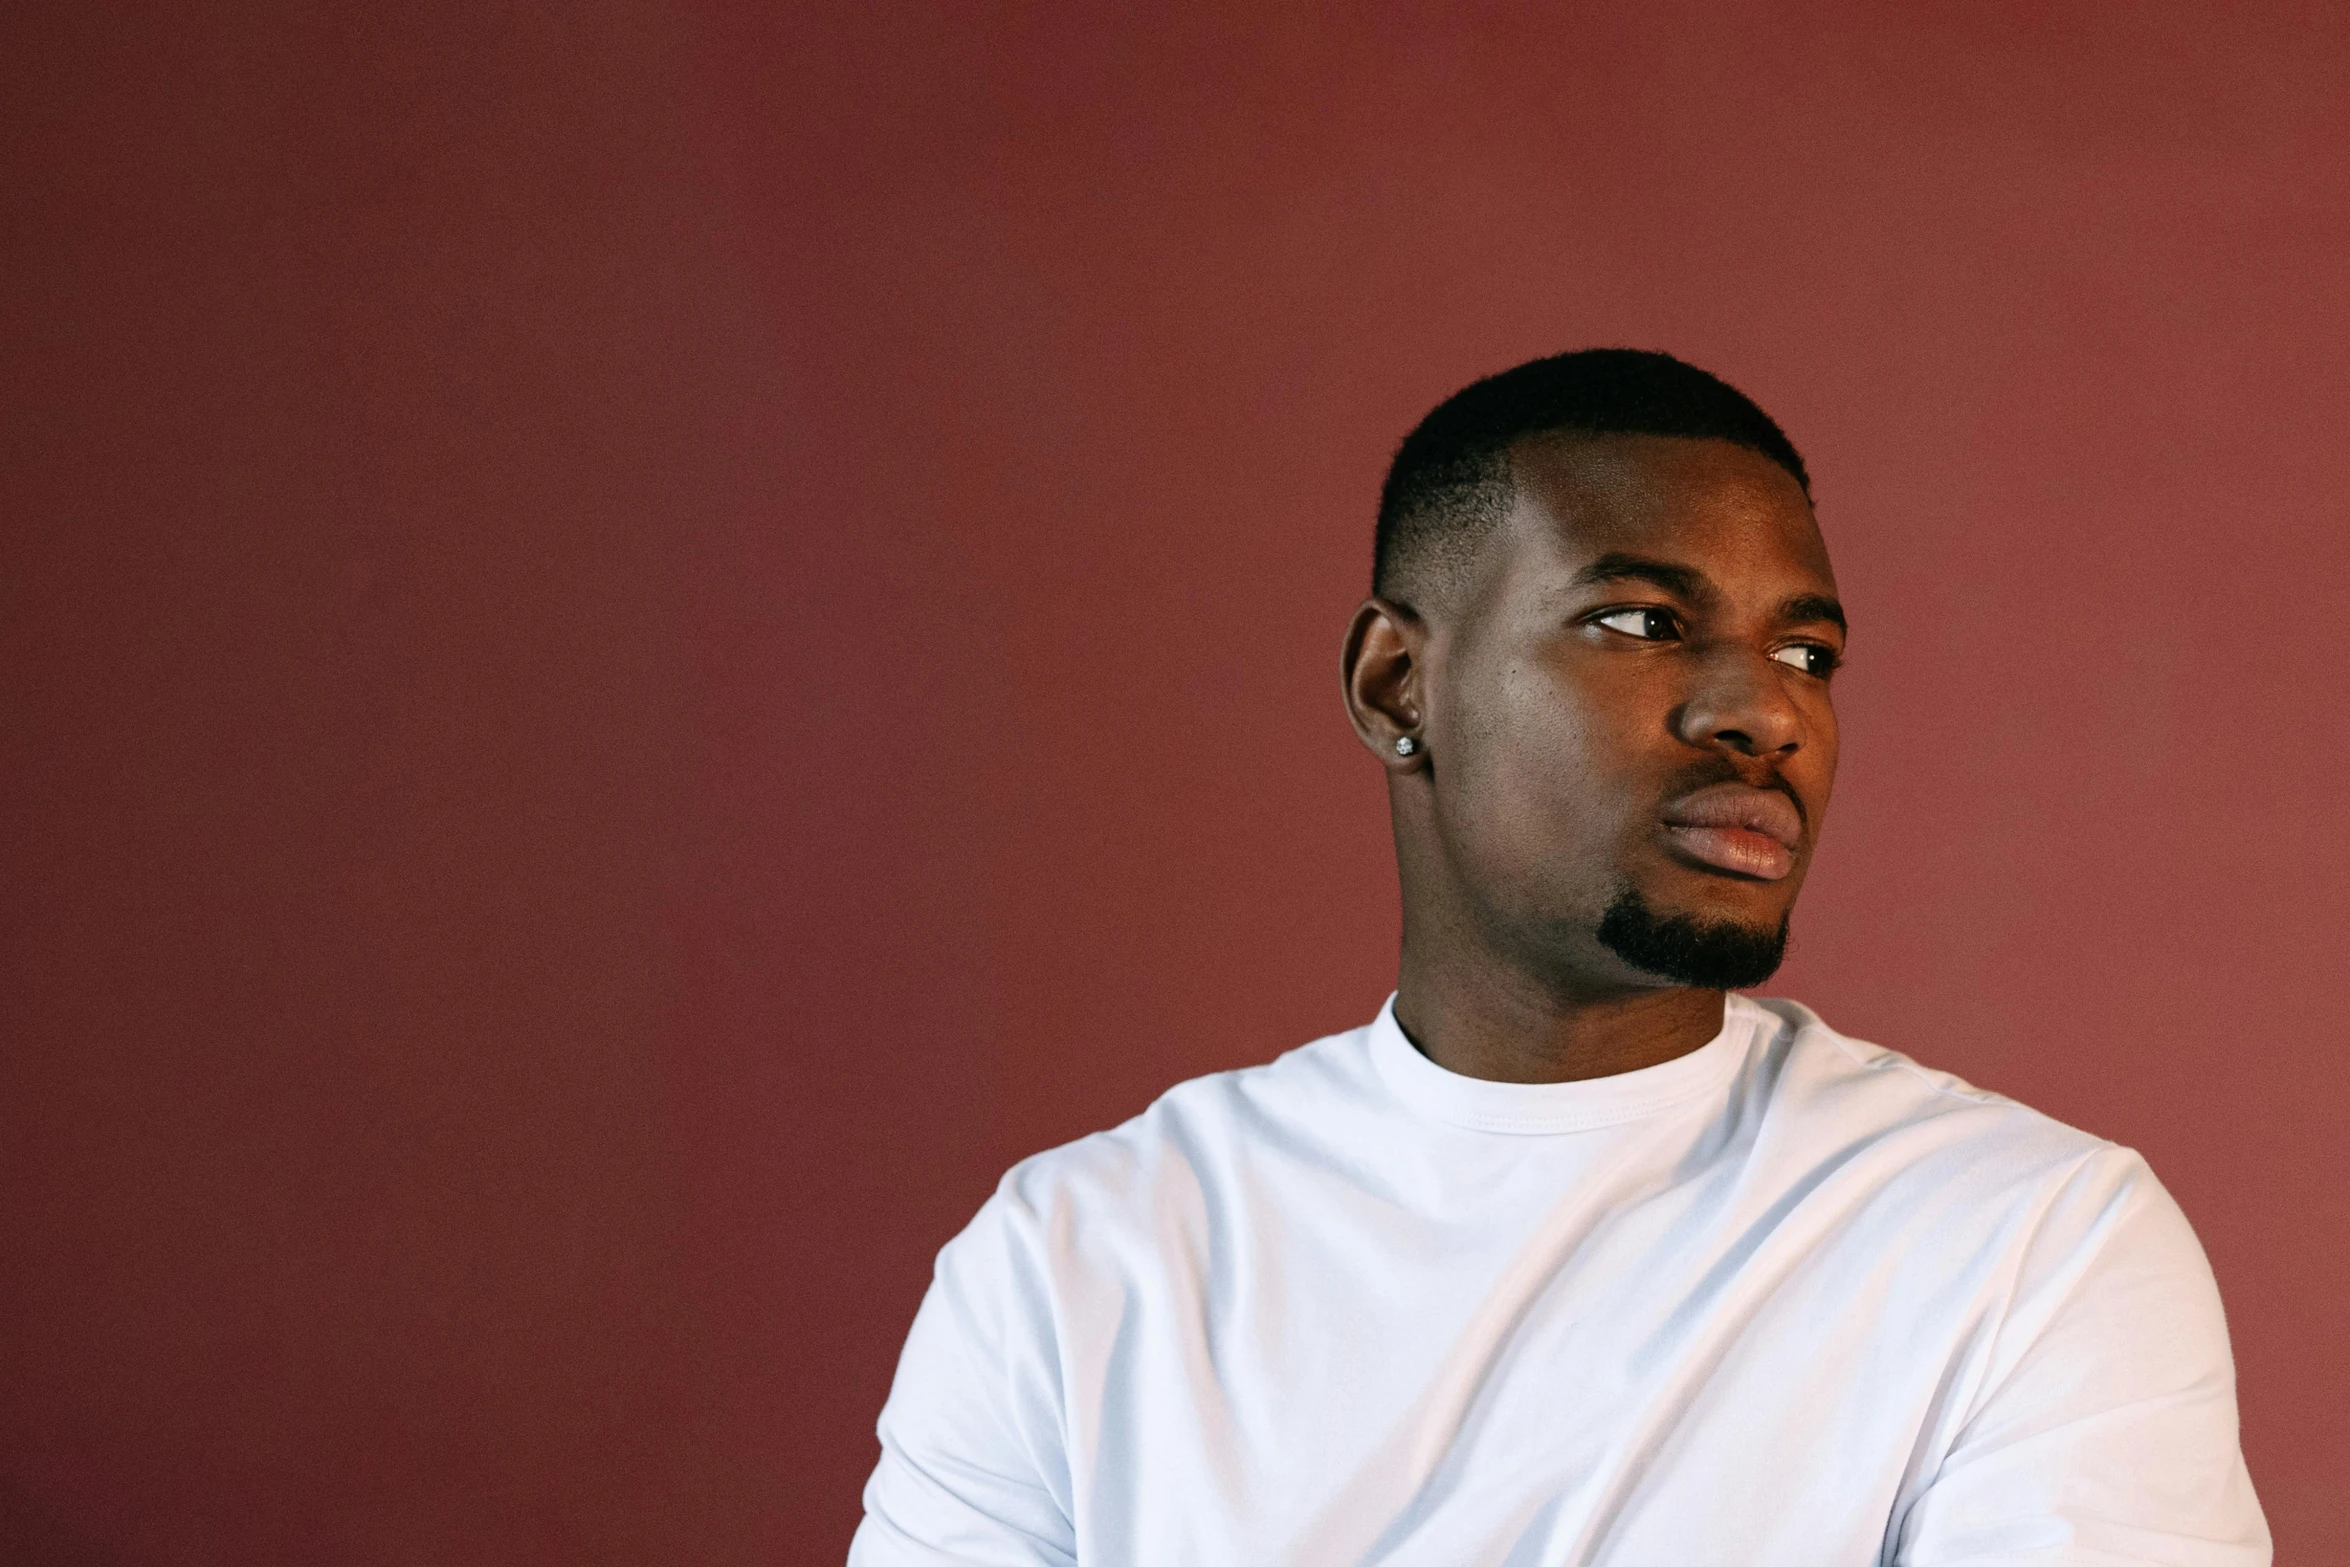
x=1382 y=665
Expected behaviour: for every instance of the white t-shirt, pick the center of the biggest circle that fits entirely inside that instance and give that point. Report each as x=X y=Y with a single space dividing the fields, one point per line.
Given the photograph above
x=1789 y=1299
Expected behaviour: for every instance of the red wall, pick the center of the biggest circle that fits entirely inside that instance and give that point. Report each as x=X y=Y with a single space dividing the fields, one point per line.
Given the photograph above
x=639 y=643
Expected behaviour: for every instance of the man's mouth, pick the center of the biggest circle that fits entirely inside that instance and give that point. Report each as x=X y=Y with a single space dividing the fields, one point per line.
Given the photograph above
x=1738 y=828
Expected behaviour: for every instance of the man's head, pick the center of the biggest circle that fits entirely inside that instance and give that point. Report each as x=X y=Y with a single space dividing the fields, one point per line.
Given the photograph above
x=1604 y=618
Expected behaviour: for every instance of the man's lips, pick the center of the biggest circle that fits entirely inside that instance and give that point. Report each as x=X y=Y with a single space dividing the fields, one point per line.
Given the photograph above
x=1736 y=827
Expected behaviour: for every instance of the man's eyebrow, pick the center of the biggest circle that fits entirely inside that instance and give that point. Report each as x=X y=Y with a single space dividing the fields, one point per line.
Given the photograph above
x=1690 y=583
x=1814 y=606
x=1683 y=580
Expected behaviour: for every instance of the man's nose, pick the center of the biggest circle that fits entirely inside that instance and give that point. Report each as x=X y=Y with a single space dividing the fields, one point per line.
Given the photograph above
x=1740 y=704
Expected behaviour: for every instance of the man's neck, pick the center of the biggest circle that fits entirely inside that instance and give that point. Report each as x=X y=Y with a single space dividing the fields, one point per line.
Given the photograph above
x=1506 y=1028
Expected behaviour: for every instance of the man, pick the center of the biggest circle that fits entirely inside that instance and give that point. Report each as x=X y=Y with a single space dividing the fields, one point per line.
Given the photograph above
x=1570 y=1256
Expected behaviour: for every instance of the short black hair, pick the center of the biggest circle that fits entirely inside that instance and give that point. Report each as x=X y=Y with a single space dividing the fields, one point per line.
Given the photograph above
x=1450 y=480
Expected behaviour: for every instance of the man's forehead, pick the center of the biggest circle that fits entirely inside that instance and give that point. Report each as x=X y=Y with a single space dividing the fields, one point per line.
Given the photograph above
x=1710 y=504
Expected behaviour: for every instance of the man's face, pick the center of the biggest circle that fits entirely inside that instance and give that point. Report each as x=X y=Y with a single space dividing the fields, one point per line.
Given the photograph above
x=1628 y=711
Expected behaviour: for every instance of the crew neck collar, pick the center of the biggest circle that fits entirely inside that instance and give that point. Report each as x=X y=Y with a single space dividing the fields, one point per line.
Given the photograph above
x=1534 y=1108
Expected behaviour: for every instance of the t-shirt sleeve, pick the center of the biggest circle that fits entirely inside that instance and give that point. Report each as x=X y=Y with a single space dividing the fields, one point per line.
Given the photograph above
x=973 y=1468
x=2103 y=1428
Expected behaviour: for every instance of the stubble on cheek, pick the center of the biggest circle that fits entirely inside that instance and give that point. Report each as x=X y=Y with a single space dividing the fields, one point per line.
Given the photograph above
x=1539 y=816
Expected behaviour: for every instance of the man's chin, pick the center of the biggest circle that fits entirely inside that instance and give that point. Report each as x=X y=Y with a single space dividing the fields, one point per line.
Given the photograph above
x=1688 y=949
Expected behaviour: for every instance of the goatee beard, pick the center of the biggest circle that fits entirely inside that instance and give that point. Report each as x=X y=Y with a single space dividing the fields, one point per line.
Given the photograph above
x=1703 y=954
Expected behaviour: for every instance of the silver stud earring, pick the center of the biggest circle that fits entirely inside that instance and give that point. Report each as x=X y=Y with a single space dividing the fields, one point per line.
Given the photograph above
x=1405 y=745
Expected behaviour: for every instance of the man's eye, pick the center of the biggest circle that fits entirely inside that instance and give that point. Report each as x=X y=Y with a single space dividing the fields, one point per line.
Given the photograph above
x=1812 y=658
x=1650 y=625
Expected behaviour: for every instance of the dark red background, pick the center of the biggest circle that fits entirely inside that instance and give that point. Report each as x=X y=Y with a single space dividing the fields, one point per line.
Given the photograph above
x=640 y=642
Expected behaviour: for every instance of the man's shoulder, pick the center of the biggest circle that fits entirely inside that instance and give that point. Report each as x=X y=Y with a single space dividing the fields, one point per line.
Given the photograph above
x=1854 y=1092
x=1200 y=1123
